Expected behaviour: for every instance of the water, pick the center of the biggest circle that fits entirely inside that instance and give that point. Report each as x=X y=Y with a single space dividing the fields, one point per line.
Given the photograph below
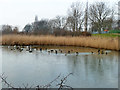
x=39 y=68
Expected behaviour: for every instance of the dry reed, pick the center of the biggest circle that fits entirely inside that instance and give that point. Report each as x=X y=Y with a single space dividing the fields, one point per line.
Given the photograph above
x=94 y=42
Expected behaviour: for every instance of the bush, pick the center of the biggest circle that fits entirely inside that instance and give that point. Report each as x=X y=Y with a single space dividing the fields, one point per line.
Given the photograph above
x=86 y=33
x=66 y=33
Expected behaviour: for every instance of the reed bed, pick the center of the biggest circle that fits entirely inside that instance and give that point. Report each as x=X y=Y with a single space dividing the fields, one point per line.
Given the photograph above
x=92 y=41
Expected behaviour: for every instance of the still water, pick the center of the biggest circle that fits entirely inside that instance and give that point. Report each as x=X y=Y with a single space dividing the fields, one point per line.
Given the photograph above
x=40 y=67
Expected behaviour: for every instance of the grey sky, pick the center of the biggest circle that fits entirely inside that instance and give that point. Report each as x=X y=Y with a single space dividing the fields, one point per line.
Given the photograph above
x=20 y=12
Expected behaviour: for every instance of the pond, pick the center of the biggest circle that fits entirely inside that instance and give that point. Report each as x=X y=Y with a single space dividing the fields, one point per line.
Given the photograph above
x=89 y=70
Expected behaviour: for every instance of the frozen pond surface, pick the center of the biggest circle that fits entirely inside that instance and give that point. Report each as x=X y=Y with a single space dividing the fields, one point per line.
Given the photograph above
x=40 y=67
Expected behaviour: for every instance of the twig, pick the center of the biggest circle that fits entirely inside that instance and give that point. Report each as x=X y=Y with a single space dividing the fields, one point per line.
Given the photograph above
x=62 y=83
x=49 y=84
x=5 y=81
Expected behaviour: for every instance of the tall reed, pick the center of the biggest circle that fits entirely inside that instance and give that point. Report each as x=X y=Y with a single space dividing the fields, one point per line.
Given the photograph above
x=92 y=41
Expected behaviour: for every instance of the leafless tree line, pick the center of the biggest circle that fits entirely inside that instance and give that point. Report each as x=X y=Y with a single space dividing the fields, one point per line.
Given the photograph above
x=97 y=16
x=59 y=85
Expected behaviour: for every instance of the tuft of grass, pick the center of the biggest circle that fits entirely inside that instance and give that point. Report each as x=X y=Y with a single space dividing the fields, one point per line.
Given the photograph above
x=92 y=41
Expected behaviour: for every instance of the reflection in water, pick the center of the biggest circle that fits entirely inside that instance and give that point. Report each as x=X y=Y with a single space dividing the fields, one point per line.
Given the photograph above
x=89 y=70
x=94 y=71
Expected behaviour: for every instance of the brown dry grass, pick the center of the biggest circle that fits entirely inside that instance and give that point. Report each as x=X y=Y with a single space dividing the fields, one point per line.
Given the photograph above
x=95 y=42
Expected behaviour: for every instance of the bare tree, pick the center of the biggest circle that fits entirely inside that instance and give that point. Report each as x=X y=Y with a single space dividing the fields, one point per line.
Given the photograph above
x=108 y=23
x=15 y=30
x=98 y=13
x=58 y=23
x=6 y=29
x=119 y=15
x=75 y=19
x=86 y=17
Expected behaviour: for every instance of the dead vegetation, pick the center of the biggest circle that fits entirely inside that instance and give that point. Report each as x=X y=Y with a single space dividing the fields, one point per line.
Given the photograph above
x=91 y=41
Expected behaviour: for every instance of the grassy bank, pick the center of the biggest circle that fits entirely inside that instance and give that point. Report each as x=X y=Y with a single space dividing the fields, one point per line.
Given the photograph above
x=107 y=35
x=93 y=41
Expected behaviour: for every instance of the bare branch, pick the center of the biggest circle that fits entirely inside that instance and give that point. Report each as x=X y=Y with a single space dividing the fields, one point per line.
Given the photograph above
x=5 y=81
x=26 y=87
x=62 y=83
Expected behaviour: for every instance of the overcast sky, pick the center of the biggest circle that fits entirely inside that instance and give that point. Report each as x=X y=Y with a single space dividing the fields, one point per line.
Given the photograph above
x=21 y=12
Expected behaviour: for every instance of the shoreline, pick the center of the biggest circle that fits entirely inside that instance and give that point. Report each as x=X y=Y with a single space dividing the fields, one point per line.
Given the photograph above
x=64 y=46
x=106 y=43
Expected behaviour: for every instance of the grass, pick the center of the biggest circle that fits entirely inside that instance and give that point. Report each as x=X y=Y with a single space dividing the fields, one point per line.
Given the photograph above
x=107 y=35
x=93 y=41
x=114 y=31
